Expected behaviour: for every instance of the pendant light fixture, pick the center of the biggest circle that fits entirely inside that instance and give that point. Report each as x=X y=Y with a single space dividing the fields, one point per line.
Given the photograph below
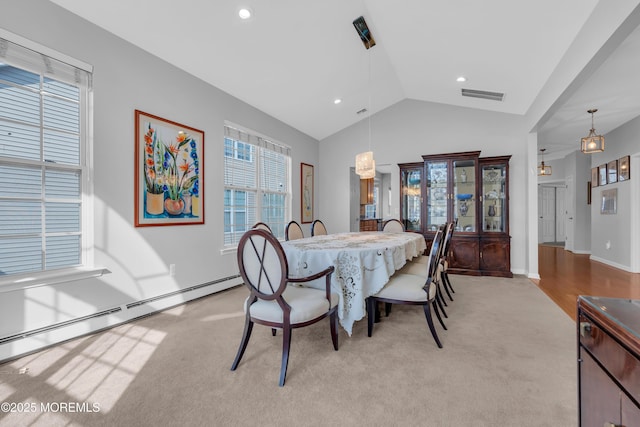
x=592 y=143
x=543 y=170
x=365 y=164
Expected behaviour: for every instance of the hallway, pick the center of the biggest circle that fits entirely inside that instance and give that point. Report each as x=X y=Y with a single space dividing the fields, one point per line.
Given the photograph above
x=565 y=275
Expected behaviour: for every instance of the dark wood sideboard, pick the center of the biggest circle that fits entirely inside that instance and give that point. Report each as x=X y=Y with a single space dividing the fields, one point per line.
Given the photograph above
x=608 y=331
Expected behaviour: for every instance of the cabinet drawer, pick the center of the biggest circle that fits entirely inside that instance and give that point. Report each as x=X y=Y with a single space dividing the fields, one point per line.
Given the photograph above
x=619 y=363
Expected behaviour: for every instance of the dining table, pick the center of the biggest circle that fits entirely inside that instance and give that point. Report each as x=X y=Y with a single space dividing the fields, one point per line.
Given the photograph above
x=363 y=262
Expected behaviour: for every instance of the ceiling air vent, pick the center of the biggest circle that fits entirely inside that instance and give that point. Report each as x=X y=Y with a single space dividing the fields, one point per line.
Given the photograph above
x=494 y=96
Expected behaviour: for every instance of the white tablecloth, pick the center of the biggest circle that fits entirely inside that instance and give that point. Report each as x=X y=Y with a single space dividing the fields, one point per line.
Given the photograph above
x=363 y=264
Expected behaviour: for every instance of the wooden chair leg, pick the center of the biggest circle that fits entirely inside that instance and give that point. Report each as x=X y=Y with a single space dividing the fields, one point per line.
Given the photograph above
x=371 y=308
x=387 y=309
x=435 y=308
x=439 y=302
x=333 y=321
x=286 y=345
x=447 y=281
x=248 y=327
x=427 y=314
x=444 y=285
x=444 y=301
x=273 y=332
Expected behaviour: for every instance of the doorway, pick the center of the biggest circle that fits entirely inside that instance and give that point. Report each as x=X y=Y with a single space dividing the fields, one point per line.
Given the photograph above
x=552 y=210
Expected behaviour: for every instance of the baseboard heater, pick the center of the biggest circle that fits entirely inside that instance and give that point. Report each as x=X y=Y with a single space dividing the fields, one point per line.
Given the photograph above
x=26 y=334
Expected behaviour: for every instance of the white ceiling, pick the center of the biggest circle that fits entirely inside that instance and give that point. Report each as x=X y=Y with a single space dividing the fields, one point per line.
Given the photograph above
x=294 y=57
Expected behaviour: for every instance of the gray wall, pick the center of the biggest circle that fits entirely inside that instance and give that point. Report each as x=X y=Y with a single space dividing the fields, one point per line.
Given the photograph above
x=617 y=229
x=125 y=79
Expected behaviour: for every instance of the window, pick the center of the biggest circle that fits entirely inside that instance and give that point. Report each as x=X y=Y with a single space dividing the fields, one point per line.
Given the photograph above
x=43 y=114
x=257 y=184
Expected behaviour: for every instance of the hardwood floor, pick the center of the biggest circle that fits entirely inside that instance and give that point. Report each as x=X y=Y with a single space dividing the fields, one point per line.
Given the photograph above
x=565 y=275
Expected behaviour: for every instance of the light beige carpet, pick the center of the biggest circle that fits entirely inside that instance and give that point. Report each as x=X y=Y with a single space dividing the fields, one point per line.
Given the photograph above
x=508 y=359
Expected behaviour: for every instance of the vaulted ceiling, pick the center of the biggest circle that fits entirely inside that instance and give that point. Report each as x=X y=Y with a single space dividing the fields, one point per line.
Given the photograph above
x=293 y=58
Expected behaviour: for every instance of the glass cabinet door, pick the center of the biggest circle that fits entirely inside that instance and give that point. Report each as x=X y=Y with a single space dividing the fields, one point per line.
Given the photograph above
x=464 y=190
x=437 y=194
x=493 y=199
x=411 y=183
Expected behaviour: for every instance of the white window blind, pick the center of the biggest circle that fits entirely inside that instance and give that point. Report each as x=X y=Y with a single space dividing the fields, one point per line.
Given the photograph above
x=257 y=183
x=43 y=104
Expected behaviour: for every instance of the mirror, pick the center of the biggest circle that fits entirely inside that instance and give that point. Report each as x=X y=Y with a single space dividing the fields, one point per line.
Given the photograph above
x=368 y=216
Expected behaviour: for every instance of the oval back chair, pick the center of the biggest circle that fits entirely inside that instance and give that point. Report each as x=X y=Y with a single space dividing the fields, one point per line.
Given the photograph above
x=272 y=302
x=318 y=228
x=293 y=231
x=393 y=226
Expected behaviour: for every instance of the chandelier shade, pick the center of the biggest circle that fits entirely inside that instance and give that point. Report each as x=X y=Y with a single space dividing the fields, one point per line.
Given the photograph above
x=365 y=165
x=592 y=143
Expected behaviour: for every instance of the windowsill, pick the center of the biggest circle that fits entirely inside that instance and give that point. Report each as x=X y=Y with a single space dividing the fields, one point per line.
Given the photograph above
x=226 y=251
x=34 y=280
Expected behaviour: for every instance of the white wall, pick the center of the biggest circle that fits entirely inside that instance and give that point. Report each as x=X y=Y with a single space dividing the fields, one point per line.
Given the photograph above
x=409 y=129
x=127 y=78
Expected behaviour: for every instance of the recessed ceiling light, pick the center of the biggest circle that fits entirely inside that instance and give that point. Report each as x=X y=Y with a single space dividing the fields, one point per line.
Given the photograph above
x=337 y=101
x=461 y=79
x=244 y=13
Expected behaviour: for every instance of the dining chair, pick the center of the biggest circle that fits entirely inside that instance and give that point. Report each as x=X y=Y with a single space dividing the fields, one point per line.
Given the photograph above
x=411 y=289
x=293 y=231
x=262 y=226
x=273 y=302
x=443 y=265
x=392 y=226
x=318 y=228
x=418 y=268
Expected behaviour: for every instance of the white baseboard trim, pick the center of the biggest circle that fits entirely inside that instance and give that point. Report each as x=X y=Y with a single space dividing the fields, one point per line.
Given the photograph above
x=611 y=263
x=27 y=342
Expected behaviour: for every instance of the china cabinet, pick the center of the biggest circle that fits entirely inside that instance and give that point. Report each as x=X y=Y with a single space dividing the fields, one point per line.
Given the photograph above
x=468 y=189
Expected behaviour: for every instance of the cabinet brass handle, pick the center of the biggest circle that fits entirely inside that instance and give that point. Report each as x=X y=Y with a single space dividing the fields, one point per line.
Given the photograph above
x=585 y=328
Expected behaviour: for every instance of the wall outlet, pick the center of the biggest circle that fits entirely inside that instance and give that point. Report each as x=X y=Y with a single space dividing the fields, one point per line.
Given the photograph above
x=172 y=270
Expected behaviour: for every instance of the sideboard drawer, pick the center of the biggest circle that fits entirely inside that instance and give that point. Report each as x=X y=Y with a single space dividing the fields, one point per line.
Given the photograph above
x=616 y=359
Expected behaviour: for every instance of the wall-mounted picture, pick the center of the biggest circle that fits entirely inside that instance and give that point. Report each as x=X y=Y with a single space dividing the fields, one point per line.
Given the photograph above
x=612 y=172
x=589 y=192
x=594 y=177
x=306 y=196
x=169 y=168
x=602 y=171
x=623 y=169
x=609 y=201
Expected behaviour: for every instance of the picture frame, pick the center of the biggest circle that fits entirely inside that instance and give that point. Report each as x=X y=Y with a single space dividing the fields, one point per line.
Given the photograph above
x=306 y=193
x=594 y=177
x=609 y=204
x=624 y=165
x=612 y=172
x=168 y=172
x=602 y=171
x=589 y=188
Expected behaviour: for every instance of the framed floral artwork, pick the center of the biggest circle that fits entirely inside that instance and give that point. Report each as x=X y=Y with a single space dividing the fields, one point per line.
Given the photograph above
x=623 y=169
x=169 y=172
x=609 y=204
x=306 y=196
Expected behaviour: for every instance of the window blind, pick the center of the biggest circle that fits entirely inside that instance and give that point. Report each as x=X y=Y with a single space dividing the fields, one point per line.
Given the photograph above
x=257 y=183
x=42 y=123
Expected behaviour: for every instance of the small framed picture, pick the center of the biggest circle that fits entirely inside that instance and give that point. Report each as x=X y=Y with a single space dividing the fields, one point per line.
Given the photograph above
x=602 y=171
x=609 y=204
x=623 y=169
x=594 y=177
x=612 y=172
x=589 y=192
